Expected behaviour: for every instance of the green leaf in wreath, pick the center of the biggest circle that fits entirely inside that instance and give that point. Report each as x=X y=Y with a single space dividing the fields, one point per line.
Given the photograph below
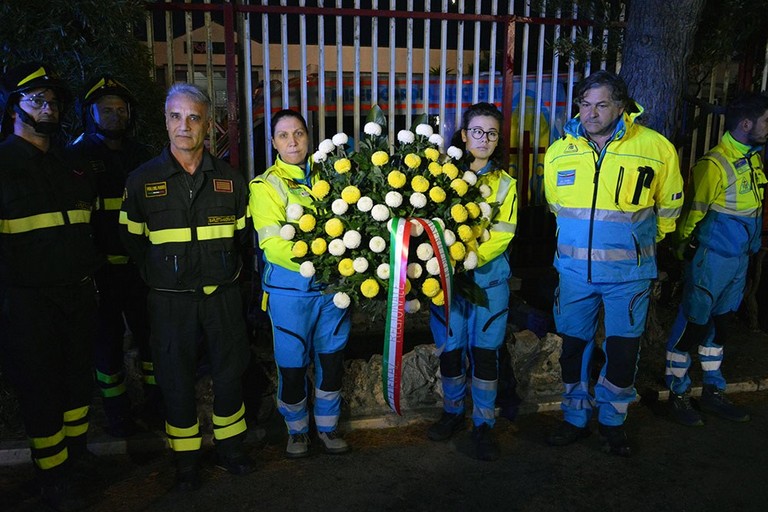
x=466 y=287
x=376 y=115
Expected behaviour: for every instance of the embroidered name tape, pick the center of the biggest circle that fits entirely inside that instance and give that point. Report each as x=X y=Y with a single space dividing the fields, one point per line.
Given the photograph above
x=223 y=186
x=156 y=189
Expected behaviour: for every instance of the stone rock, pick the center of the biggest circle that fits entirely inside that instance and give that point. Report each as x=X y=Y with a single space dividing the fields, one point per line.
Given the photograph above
x=536 y=364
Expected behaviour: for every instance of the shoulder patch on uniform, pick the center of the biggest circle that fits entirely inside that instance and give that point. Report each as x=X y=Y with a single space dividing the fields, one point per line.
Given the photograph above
x=125 y=193
x=97 y=166
x=571 y=148
x=565 y=178
x=156 y=189
x=223 y=186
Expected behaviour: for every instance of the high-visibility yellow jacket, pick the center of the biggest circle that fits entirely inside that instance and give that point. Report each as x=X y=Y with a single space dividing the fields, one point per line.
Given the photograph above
x=613 y=205
x=185 y=236
x=493 y=262
x=270 y=194
x=723 y=209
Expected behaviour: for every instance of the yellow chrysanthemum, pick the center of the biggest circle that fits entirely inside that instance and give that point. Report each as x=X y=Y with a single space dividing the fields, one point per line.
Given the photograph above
x=477 y=230
x=321 y=189
x=450 y=170
x=432 y=154
x=437 y=194
x=369 y=288
x=334 y=227
x=439 y=299
x=307 y=222
x=350 y=194
x=460 y=186
x=435 y=169
x=396 y=179
x=346 y=267
x=459 y=213
x=473 y=210
x=407 y=286
x=318 y=246
x=412 y=160
x=430 y=287
x=379 y=158
x=420 y=184
x=299 y=249
x=457 y=251
x=342 y=165
x=465 y=233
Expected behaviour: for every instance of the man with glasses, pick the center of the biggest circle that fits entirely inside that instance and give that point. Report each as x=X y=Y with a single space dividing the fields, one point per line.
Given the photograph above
x=616 y=189
x=47 y=258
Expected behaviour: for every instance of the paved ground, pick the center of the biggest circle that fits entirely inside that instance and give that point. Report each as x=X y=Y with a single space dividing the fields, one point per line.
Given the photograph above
x=721 y=466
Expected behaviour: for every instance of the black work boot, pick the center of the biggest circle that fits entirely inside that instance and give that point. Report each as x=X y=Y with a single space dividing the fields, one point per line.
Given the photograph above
x=446 y=426
x=714 y=401
x=187 y=471
x=566 y=433
x=236 y=464
x=61 y=491
x=682 y=410
x=485 y=445
x=615 y=440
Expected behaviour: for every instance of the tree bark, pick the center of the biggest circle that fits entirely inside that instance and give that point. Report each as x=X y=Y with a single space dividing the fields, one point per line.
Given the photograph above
x=657 y=45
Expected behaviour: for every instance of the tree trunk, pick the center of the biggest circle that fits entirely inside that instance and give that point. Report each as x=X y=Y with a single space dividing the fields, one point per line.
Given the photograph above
x=657 y=44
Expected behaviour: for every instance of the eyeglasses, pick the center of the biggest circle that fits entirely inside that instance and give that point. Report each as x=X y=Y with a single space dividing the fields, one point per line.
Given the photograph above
x=479 y=133
x=39 y=103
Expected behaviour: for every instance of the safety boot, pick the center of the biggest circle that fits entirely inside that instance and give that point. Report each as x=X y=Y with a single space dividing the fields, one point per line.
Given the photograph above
x=713 y=400
x=239 y=464
x=615 y=440
x=298 y=446
x=446 y=426
x=682 y=410
x=486 y=447
x=333 y=442
x=566 y=433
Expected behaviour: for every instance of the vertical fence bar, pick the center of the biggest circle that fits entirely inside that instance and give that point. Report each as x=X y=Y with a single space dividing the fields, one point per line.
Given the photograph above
x=476 y=59
x=339 y=74
x=764 y=81
x=213 y=132
x=230 y=60
x=443 y=63
x=508 y=85
x=459 y=87
x=392 y=57
x=151 y=45
x=409 y=69
x=522 y=171
x=188 y=41
x=321 y=73
x=604 y=46
x=375 y=56
x=571 y=66
x=590 y=38
x=622 y=17
x=267 y=89
x=284 y=47
x=427 y=50
x=170 y=72
x=534 y=183
x=247 y=96
x=492 y=56
x=303 y=70
x=710 y=116
x=356 y=81
x=555 y=80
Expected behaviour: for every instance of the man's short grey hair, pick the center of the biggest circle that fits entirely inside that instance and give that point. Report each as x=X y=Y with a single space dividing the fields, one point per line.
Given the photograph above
x=192 y=91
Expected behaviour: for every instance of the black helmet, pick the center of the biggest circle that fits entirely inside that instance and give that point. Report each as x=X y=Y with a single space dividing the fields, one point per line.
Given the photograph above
x=104 y=85
x=22 y=78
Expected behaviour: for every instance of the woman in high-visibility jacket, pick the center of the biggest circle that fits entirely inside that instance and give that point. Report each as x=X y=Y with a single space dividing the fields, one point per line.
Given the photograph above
x=477 y=332
x=305 y=322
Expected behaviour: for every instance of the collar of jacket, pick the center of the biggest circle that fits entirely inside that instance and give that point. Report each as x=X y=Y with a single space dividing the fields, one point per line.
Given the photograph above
x=292 y=171
x=739 y=147
x=625 y=124
x=171 y=166
x=27 y=147
x=486 y=169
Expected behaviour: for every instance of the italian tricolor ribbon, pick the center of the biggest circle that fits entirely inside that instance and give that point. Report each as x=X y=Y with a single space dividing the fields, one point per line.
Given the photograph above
x=400 y=233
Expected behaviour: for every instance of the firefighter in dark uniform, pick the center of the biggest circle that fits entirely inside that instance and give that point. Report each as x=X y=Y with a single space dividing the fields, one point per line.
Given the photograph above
x=106 y=149
x=47 y=258
x=184 y=220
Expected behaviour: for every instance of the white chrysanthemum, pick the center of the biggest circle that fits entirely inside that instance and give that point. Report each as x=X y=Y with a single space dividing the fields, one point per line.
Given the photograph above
x=319 y=157
x=377 y=244
x=336 y=247
x=360 y=265
x=450 y=237
x=351 y=239
x=412 y=306
x=418 y=200
x=340 y=139
x=307 y=269
x=485 y=236
x=372 y=129
x=416 y=228
x=382 y=271
x=485 y=191
x=436 y=139
x=454 y=152
x=380 y=212
x=438 y=220
x=424 y=129
x=339 y=207
x=287 y=232
x=327 y=146
x=406 y=136
x=470 y=177
x=414 y=270
x=393 y=199
x=424 y=252
x=433 y=267
x=470 y=260
x=341 y=300
x=294 y=211
x=365 y=203
x=485 y=208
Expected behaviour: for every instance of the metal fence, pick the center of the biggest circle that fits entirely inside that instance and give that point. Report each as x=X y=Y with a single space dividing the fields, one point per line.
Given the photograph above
x=333 y=59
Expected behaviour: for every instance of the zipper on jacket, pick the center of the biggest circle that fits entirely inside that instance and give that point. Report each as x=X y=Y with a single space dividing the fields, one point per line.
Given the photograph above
x=619 y=182
x=592 y=220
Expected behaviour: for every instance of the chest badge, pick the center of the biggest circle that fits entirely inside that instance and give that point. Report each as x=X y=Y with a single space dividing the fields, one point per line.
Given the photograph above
x=565 y=178
x=224 y=186
x=156 y=189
